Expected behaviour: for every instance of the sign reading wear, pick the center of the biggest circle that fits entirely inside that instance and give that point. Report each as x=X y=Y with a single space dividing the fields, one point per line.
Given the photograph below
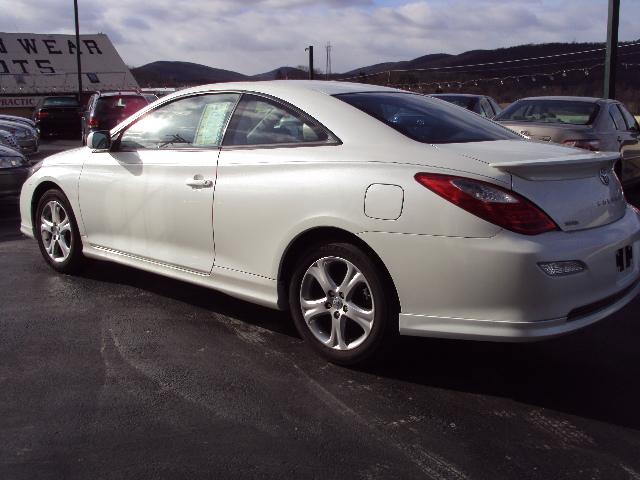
x=46 y=64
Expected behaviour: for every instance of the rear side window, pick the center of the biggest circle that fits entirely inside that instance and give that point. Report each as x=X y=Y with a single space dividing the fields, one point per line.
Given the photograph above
x=426 y=119
x=485 y=109
x=261 y=121
x=551 y=111
x=617 y=118
x=124 y=105
x=629 y=119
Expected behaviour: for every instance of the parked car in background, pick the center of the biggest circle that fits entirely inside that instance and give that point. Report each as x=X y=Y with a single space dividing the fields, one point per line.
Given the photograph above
x=364 y=210
x=58 y=116
x=9 y=140
x=480 y=104
x=14 y=170
x=107 y=109
x=16 y=118
x=27 y=137
x=590 y=123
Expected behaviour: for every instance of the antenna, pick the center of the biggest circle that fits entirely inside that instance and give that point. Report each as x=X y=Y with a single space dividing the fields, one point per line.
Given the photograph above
x=327 y=68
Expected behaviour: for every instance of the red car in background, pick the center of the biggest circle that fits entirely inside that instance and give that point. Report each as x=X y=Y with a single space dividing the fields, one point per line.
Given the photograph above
x=105 y=110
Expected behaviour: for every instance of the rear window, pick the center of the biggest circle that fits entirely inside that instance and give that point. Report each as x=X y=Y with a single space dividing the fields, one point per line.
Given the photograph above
x=551 y=111
x=60 y=102
x=427 y=120
x=466 y=102
x=119 y=105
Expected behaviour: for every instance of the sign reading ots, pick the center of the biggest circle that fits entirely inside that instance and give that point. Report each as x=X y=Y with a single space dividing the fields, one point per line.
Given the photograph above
x=32 y=64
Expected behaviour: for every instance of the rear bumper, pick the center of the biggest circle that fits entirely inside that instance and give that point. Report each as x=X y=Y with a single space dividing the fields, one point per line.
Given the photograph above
x=488 y=330
x=493 y=288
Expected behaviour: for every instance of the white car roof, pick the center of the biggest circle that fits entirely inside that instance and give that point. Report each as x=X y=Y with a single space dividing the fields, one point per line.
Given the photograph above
x=275 y=87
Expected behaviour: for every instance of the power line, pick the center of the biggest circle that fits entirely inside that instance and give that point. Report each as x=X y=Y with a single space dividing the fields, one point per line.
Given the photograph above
x=501 y=62
x=534 y=78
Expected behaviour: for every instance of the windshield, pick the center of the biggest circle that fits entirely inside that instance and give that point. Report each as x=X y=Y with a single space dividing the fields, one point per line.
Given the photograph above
x=123 y=105
x=551 y=111
x=427 y=120
x=60 y=102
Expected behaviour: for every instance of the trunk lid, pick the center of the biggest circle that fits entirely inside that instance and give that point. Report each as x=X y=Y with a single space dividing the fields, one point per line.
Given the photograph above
x=576 y=188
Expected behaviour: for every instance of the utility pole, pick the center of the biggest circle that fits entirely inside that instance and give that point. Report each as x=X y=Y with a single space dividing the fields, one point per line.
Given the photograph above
x=75 y=9
x=310 y=50
x=611 y=59
x=327 y=68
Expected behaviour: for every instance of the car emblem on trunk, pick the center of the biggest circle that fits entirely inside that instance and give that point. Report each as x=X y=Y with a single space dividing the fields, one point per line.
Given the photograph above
x=604 y=176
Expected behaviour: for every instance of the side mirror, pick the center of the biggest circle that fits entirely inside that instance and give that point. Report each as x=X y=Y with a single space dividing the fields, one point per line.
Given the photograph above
x=99 y=140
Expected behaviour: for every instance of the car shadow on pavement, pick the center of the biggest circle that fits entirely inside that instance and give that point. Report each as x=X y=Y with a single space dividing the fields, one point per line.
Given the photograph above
x=193 y=295
x=592 y=373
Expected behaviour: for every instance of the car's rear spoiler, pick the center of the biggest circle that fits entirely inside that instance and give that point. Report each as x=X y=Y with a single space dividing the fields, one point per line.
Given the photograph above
x=558 y=167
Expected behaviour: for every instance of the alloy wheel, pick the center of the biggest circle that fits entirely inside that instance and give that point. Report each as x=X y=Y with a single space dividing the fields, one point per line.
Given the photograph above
x=55 y=229
x=336 y=303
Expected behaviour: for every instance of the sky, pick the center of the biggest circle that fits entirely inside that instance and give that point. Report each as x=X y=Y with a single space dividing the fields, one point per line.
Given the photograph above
x=254 y=36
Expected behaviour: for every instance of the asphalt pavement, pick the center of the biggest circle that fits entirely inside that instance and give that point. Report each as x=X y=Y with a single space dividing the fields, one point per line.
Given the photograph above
x=121 y=374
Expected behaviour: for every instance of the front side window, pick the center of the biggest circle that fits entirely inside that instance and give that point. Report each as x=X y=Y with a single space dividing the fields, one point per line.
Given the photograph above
x=193 y=122
x=426 y=119
x=261 y=121
x=551 y=111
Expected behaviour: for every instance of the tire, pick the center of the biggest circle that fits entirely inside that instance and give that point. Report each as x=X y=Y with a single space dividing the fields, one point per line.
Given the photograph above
x=57 y=232
x=332 y=326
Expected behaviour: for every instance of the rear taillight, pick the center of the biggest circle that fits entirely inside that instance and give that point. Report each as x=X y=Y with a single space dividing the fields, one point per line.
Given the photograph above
x=42 y=115
x=494 y=204
x=593 y=145
x=93 y=123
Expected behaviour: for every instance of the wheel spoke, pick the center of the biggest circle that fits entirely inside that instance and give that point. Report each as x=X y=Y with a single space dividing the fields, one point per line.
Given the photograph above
x=55 y=212
x=320 y=273
x=46 y=225
x=65 y=225
x=362 y=317
x=336 y=340
x=64 y=248
x=356 y=278
x=312 y=308
x=49 y=248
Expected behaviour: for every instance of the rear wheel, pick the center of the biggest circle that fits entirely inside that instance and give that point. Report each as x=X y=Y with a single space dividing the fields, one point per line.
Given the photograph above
x=57 y=232
x=341 y=303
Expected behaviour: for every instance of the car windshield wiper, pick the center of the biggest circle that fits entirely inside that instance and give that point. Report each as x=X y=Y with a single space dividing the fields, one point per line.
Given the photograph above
x=175 y=138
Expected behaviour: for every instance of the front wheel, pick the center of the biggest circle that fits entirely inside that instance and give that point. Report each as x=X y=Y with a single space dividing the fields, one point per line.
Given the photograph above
x=341 y=303
x=57 y=232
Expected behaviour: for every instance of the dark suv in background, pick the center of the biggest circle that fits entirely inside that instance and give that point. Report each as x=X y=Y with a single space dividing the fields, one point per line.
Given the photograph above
x=107 y=109
x=58 y=116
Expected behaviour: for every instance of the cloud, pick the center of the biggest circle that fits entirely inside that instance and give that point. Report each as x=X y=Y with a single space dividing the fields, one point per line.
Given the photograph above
x=253 y=36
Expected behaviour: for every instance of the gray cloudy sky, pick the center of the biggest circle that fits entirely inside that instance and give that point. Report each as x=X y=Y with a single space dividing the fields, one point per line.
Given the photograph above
x=253 y=36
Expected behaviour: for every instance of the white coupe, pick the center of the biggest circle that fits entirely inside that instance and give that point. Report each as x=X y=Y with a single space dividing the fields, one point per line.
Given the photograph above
x=364 y=210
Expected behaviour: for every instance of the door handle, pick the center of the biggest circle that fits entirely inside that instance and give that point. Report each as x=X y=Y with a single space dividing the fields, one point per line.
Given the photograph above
x=199 y=182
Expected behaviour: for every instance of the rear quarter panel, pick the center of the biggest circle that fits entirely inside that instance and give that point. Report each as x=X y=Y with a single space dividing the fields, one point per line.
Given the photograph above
x=264 y=198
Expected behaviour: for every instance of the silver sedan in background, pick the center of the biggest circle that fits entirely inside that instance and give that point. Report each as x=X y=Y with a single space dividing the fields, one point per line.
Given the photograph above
x=590 y=123
x=27 y=137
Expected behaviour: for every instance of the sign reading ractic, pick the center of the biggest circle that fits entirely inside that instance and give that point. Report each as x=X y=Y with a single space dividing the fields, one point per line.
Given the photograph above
x=36 y=64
